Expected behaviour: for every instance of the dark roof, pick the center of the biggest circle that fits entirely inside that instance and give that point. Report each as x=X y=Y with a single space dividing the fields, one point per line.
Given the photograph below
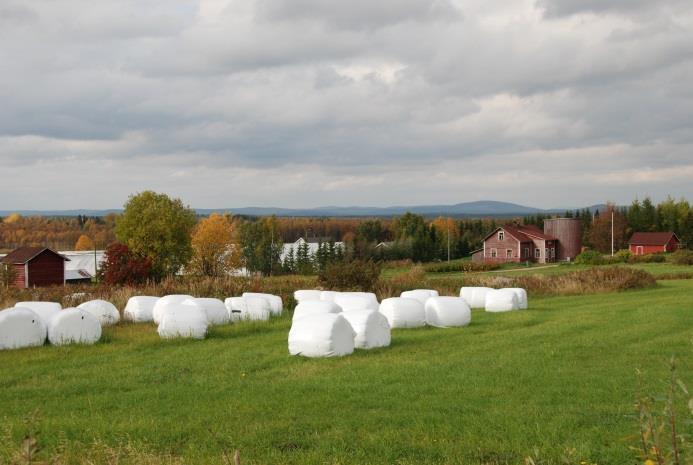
x=23 y=255
x=652 y=238
x=523 y=233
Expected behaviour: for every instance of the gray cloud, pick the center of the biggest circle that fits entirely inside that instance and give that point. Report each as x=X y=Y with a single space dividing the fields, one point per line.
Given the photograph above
x=300 y=103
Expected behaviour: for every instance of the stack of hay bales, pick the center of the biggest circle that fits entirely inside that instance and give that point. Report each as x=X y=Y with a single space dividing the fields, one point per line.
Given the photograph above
x=183 y=320
x=356 y=300
x=303 y=295
x=214 y=309
x=501 y=300
x=422 y=295
x=46 y=310
x=104 y=311
x=166 y=301
x=521 y=294
x=447 y=312
x=402 y=312
x=321 y=335
x=314 y=307
x=475 y=296
x=74 y=326
x=275 y=302
x=139 y=309
x=370 y=327
x=21 y=327
x=251 y=308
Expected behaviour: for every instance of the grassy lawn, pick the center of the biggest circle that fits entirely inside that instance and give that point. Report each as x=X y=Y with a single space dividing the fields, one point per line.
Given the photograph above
x=559 y=376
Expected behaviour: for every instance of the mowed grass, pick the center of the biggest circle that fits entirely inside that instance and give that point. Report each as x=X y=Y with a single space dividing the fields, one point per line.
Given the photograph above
x=558 y=377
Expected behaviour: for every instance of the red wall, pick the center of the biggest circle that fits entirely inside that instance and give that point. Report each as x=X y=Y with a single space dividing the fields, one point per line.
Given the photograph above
x=47 y=269
x=501 y=246
x=672 y=246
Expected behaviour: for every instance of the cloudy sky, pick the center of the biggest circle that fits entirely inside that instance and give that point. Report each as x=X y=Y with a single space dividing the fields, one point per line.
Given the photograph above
x=299 y=103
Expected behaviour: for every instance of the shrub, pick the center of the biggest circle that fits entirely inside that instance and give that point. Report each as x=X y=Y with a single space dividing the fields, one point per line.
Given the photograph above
x=682 y=257
x=590 y=257
x=354 y=275
x=122 y=266
x=460 y=267
x=623 y=256
x=649 y=258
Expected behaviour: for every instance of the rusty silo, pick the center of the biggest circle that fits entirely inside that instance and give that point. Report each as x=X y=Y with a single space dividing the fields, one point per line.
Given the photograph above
x=568 y=231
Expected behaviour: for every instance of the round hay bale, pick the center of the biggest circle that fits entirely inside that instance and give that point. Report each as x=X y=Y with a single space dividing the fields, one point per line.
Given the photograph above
x=403 y=313
x=167 y=300
x=104 y=311
x=275 y=302
x=422 y=295
x=21 y=327
x=357 y=301
x=214 y=309
x=313 y=307
x=248 y=308
x=371 y=328
x=501 y=300
x=74 y=326
x=521 y=296
x=303 y=295
x=321 y=335
x=475 y=296
x=46 y=310
x=139 y=308
x=447 y=312
x=179 y=320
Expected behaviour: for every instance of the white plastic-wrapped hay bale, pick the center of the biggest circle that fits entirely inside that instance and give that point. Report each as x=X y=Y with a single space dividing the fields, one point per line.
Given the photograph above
x=321 y=335
x=140 y=308
x=248 y=308
x=329 y=296
x=501 y=300
x=371 y=328
x=447 y=312
x=183 y=320
x=104 y=311
x=215 y=309
x=167 y=300
x=357 y=301
x=475 y=296
x=313 y=307
x=422 y=295
x=275 y=302
x=403 y=313
x=521 y=294
x=303 y=295
x=46 y=310
x=74 y=326
x=21 y=327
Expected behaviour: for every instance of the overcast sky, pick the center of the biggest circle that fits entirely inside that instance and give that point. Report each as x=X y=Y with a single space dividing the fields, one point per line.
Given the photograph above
x=300 y=103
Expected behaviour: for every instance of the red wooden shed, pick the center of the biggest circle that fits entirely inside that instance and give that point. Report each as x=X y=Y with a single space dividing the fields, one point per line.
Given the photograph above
x=642 y=243
x=36 y=266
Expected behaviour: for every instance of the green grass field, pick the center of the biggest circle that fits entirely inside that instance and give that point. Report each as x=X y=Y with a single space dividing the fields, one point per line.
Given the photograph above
x=542 y=382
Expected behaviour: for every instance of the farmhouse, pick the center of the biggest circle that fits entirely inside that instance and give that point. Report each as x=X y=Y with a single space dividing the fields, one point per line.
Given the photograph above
x=36 y=266
x=561 y=240
x=642 y=243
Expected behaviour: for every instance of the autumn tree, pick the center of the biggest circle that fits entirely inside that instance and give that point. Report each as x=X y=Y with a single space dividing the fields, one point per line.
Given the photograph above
x=157 y=227
x=215 y=249
x=84 y=243
x=123 y=266
x=600 y=233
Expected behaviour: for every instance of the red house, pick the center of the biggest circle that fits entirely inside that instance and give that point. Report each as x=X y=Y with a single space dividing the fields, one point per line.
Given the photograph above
x=642 y=243
x=36 y=266
x=518 y=244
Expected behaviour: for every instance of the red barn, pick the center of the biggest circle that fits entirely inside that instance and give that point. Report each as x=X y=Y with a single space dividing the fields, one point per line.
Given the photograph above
x=36 y=266
x=642 y=243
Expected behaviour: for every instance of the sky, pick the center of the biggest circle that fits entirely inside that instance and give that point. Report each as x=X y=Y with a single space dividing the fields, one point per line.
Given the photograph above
x=303 y=103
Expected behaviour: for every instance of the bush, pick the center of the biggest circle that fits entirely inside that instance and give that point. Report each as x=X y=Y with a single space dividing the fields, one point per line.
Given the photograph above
x=682 y=257
x=122 y=266
x=356 y=275
x=460 y=267
x=590 y=257
x=623 y=256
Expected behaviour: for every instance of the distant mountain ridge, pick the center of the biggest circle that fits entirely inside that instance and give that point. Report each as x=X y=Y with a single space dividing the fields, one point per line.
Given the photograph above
x=481 y=208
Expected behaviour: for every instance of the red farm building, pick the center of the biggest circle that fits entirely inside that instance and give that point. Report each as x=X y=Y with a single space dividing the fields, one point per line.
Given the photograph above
x=561 y=240
x=643 y=243
x=36 y=266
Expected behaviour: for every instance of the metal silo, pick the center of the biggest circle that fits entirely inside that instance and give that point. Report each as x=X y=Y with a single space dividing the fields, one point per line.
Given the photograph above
x=568 y=231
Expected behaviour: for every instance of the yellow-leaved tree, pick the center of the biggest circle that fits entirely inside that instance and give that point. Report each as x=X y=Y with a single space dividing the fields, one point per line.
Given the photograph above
x=84 y=243
x=215 y=247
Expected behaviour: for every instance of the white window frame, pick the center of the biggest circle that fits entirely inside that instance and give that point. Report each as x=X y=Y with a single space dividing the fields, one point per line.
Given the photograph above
x=639 y=250
x=526 y=252
x=501 y=235
x=494 y=253
x=537 y=252
x=508 y=253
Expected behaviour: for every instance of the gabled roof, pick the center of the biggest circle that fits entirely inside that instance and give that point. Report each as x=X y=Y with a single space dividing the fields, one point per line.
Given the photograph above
x=24 y=255
x=652 y=238
x=523 y=233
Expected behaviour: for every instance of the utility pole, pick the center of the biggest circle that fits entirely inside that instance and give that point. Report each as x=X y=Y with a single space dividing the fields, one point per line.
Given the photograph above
x=612 y=233
x=96 y=265
x=448 y=222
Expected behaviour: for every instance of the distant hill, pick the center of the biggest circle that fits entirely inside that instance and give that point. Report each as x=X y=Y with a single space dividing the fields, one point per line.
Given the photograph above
x=482 y=208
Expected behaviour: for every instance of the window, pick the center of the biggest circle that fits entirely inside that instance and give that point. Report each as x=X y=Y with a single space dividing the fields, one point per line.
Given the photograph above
x=501 y=236
x=546 y=252
x=509 y=253
x=526 y=253
x=494 y=253
x=553 y=252
x=537 y=253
